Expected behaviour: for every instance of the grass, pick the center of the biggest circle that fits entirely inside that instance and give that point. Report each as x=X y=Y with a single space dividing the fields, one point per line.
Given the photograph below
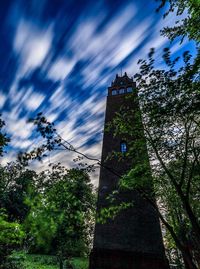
x=40 y=262
x=35 y=261
x=79 y=263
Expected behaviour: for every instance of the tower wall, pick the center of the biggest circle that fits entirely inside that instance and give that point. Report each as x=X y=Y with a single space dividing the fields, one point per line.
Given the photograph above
x=133 y=238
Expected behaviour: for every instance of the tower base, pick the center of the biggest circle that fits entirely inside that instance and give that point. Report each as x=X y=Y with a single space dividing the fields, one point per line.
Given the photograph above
x=120 y=259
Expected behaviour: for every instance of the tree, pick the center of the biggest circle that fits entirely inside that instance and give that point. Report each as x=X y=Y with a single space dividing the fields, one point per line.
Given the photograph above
x=174 y=212
x=3 y=137
x=161 y=90
x=62 y=215
x=170 y=102
x=55 y=208
x=187 y=27
x=16 y=184
x=11 y=237
x=11 y=233
x=172 y=139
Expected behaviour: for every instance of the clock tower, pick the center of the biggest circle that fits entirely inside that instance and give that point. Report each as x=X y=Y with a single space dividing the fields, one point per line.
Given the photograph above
x=131 y=240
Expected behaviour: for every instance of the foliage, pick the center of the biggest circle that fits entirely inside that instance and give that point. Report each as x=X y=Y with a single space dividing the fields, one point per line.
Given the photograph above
x=16 y=184
x=79 y=263
x=61 y=216
x=56 y=209
x=3 y=137
x=11 y=237
x=40 y=225
x=16 y=260
x=36 y=261
x=175 y=214
x=188 y=26
x=33 y=261
x=11 y=232
x=170 y=105
x=112 y=211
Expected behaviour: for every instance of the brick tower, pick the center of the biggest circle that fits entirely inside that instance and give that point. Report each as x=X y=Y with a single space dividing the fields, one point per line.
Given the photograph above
x=132 y=240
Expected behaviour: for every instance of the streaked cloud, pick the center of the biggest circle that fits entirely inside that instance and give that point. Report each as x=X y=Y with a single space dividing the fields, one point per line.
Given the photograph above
x=61 y=68
x=2 y=99
x=34 y=101
x=60 y=59
x=31 y=44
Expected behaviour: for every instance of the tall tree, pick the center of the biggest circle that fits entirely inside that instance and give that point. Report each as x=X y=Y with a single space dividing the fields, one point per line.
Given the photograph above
x=170 y=107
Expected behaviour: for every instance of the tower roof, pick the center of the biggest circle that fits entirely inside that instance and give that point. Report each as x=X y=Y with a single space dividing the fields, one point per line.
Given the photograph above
x=122 y=80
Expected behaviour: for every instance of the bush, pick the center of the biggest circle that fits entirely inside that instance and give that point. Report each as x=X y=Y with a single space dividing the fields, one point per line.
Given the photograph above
x=79 y=263
x=16 y=260
x=11 y=237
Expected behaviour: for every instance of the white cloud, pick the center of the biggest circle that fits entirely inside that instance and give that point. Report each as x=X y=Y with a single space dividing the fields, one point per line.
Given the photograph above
x=61 y=68
x=8 y=157
x=2 y=99
x=51 y=116
x=22 y=144
x=60 y=101
x=31 y=44
x=17 y=127
x=91 y=127
x=34 y=101
x=130 y=42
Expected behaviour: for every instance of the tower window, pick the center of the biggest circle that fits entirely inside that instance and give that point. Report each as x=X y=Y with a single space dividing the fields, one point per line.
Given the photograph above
x=129 y=89
x=123 y=147
x=114 y=92
x=121 y=91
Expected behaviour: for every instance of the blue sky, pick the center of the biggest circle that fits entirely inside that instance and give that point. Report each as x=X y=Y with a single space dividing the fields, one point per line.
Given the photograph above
x=58 y=57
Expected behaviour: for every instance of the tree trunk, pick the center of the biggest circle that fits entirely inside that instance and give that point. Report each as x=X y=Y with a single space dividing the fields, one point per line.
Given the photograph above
x=188 y=260
x=193 y=219
x=61 y=264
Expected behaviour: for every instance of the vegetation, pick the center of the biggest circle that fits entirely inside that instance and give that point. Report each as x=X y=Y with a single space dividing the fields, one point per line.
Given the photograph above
x=170 y=102
x=79 y=263
x=184 y=27
x=3 y=137
x=51 y=212
x=61 y=215
x=33 y=261
x=11 y=237
x=17 y=183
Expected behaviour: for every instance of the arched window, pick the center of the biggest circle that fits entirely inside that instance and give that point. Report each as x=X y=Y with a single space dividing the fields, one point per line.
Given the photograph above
x=114 y=92
x=123 y=147
x=121 y=91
